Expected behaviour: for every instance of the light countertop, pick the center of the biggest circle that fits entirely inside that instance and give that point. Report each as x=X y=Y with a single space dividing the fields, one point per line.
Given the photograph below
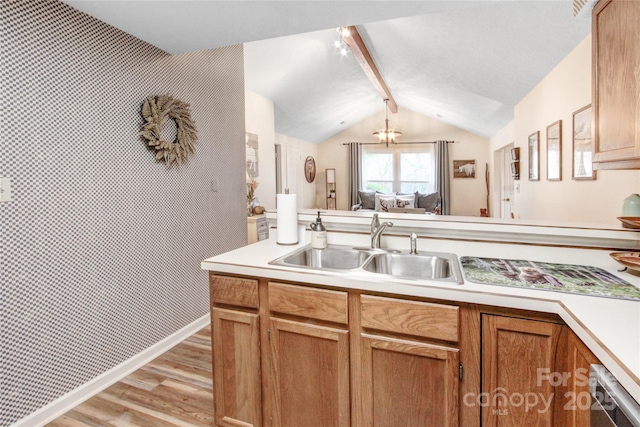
x=609 y=327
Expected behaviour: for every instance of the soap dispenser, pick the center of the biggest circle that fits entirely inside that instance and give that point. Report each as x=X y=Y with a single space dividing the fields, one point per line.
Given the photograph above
x=318 y=234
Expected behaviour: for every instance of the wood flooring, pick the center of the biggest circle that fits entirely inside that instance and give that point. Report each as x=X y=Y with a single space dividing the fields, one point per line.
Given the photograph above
x=175 y=389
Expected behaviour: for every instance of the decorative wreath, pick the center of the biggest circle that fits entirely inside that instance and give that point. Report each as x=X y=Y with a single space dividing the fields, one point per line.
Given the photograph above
x=156 y=111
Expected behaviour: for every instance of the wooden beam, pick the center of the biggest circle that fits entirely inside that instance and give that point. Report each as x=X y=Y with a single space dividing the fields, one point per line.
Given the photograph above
x=359 y=50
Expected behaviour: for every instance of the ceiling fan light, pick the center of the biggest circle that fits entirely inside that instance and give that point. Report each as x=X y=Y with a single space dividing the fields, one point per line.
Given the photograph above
x=393 y=134
x=387 y=135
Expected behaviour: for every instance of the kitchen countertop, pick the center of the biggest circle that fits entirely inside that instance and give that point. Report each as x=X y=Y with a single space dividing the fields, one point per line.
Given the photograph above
x=609 y=327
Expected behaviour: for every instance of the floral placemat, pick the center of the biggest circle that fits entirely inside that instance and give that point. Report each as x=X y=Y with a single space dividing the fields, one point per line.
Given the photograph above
x=575 y=279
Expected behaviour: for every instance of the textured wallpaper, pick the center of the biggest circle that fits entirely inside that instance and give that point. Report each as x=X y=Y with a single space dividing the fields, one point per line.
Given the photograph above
x=101 y=245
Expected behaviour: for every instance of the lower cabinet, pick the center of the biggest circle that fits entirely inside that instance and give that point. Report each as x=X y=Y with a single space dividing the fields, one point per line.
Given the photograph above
x=236 y=368
x=573 y=405
x=409 y=362
x=408 y=383
x=518 y=359
x=309 y=384
x=295 y=355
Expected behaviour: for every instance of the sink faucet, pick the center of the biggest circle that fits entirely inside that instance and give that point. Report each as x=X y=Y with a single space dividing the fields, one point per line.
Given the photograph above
x=376 y=231
x=414 y=243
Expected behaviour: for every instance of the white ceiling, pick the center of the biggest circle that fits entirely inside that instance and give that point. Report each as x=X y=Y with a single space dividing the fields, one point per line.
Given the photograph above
x=466 y=63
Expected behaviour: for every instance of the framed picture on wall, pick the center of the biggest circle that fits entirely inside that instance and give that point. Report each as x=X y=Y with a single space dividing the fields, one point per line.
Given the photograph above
x=583 y=145
x=515 y=170
x=309 y=169
x=251 y=152
x=464 y=168
x=554 y=151
x=534 y=156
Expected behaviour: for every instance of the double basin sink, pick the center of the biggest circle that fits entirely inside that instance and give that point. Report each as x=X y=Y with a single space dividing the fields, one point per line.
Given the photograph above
x=438 y=266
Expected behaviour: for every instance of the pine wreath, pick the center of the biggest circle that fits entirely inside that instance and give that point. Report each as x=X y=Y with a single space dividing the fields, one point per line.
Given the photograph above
x=156 y=111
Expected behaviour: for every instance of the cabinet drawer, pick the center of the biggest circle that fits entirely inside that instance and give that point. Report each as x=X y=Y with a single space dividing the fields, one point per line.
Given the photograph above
x=262 y=225
x=313 y=303
x=422 y=319
x=233 y=290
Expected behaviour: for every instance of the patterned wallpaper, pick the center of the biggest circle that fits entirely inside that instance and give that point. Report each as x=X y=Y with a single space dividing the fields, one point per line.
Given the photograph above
x=101 y=245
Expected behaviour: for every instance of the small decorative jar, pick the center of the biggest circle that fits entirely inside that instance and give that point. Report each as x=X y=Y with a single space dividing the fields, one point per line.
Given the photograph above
x=631 y=206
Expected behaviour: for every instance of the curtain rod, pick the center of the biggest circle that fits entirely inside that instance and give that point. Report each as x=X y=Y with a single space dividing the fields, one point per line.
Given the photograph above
x=396 y=143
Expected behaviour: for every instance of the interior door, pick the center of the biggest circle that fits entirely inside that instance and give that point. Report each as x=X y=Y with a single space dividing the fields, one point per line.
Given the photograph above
x=294 y=173
x=506 y=190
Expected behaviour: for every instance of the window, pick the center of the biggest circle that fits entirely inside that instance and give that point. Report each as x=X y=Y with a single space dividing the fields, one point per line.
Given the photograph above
x=404 y=169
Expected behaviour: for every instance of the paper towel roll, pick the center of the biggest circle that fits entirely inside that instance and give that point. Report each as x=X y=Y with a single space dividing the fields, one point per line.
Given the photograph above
x=287 y=219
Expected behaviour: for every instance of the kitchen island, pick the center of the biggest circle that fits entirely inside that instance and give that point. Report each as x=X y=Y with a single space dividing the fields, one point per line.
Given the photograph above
x=608 y=327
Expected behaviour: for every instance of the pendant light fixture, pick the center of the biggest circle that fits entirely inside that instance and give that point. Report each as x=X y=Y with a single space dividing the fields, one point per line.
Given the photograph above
x=387 y=135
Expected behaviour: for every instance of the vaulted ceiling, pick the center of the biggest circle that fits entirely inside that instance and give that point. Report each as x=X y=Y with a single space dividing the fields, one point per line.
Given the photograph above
x=466 y=63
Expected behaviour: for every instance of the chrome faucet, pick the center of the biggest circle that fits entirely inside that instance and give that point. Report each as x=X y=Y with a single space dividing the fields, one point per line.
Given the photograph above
x=376 y=231
x=414 y=243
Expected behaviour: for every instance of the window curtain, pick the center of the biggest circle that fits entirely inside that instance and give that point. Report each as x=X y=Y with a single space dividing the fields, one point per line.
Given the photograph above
x=442 y=175
x=355 y=161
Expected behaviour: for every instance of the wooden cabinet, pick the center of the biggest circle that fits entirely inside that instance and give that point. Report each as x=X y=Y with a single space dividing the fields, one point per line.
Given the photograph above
x=235 y=339
x=236 y=368
x=293 y=354
x=407 y=379
x=308 y=381
x=616 y=84
x=573 y=402
x=408 y=383
x=518 y=360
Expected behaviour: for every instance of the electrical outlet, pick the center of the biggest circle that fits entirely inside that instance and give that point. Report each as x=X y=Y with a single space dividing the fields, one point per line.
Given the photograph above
x=5 y=190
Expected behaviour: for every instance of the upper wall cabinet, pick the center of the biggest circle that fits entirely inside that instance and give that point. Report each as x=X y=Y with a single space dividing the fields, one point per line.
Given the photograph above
x=616 y=84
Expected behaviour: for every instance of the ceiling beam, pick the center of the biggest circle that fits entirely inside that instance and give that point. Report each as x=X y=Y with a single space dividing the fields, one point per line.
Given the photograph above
x=359 y=50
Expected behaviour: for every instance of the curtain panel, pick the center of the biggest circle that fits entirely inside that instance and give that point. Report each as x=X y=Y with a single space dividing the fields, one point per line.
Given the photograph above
x=443 y=182
x=355 y=161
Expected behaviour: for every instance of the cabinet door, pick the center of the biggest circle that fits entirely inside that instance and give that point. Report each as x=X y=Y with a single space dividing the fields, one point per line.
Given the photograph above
x=407 y=383
x=616 y=73
x=518 y=364
x=572 y=385
x=236 y=368
x=309 y=381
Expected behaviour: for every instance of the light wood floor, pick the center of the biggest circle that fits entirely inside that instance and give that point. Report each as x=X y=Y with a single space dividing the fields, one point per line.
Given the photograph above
x=175 y=389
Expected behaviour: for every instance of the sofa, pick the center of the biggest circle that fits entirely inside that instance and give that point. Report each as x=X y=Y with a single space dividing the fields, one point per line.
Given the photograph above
x=376 y=201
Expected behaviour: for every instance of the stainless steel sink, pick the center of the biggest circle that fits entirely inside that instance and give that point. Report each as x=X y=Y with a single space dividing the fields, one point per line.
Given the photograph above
x=422 y=266
x=333 y=257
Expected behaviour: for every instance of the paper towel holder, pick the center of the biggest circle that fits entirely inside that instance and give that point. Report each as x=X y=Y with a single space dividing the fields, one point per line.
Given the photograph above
x=286 y=219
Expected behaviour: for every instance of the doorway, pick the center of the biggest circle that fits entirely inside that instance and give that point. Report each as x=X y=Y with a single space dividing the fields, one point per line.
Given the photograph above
x=505 y=181
x=278 y=168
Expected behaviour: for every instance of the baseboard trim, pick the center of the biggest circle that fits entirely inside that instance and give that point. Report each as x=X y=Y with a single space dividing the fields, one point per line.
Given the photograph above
x=75 y=397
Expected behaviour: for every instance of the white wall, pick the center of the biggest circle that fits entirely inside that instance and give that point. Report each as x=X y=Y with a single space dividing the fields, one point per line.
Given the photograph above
x=467 y=195
x=102 y=243
x=294 y=152
x=564 y=90
x=259 y=119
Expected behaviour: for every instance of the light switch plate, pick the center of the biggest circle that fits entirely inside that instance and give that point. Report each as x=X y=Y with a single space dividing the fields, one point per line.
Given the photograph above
x=5 y=190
